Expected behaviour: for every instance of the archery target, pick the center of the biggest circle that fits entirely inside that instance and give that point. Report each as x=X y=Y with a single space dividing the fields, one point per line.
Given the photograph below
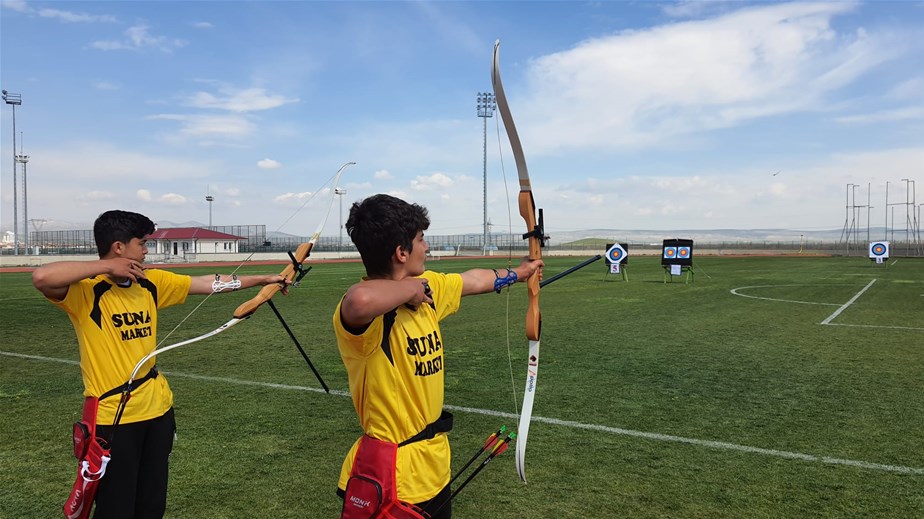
x=616 y=254
x=879 y=249
x=677 y=251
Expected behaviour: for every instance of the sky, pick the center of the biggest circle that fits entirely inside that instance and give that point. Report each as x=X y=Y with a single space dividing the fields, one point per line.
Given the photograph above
x=632 y=115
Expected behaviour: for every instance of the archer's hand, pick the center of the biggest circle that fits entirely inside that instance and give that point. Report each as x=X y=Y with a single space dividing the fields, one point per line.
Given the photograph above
x=528 y=268
x=422 y=293
x=282 y=281
x=125 y=268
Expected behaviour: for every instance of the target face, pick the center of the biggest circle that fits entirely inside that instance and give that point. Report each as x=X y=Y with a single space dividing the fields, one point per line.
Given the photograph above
x=670 y=252
x=616 y=253
x=683 y=252
x=879 y=249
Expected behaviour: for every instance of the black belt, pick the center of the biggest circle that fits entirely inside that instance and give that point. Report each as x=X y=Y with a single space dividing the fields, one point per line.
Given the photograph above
x=441 y=425
x=135 y=384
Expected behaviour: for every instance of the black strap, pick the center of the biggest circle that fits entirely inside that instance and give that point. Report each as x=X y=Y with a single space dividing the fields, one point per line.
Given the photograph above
x=135 y=384
x=441 y=425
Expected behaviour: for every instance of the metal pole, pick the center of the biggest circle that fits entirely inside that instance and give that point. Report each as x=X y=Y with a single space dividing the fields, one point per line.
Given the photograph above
x=907 y=202
x=340 y=192
x=885 y=231
x=869 y=208
x=485 y=105
x=209 y=198
x=13 y=100
x=23 y=159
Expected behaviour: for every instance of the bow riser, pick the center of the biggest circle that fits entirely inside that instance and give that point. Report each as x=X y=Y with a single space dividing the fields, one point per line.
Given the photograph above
x=533 y=318
x=267 y=292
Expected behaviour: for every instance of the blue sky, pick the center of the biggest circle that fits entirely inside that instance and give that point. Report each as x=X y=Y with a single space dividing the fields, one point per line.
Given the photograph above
x=633 y=115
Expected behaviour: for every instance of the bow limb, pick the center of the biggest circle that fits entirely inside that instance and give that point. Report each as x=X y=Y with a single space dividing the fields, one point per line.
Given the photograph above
x=247 y=308
x=266 y=293
x=535 y=234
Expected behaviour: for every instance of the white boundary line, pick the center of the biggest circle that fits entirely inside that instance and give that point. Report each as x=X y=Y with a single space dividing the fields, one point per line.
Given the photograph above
x=555 y=421
x=827 y=322
x=735 y=291
x=848 y=303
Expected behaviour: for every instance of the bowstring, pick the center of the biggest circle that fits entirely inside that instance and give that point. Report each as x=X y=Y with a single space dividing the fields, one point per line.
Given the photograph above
x=247 y=259
x=513 y=384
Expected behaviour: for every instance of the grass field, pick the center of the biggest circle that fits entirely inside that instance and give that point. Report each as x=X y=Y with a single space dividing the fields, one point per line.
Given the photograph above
x=725 y=397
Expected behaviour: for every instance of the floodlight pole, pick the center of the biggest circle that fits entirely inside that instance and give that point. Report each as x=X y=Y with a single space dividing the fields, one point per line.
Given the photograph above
x=209 y=198
x=885 y=230
x=486 y=105
x=23 y=159
x=14 y=100
x=340 y=192
x=907 y=216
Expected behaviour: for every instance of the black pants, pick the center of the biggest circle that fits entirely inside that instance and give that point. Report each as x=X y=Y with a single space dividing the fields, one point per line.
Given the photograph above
x=434 y=505
x=135 y=484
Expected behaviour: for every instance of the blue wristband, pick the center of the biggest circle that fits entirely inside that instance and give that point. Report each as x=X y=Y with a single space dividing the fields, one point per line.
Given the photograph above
x=502 y=282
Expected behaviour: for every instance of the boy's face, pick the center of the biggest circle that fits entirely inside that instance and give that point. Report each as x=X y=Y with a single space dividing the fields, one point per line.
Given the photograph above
x=136 y=249
x=418 y=256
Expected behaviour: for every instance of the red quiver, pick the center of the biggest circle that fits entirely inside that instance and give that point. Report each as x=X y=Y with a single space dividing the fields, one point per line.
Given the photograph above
x=92 y=453
x=371 y=491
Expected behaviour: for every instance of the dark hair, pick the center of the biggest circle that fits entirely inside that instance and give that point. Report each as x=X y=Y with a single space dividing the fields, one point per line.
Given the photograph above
x=113 y=226
x=379 y=224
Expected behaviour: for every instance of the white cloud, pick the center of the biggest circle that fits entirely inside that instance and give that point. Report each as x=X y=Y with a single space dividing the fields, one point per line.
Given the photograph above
x=910 y=113
x=203 y=25
x=16 y=5
x=382 y=174
x=239 y=100
x=105 y=85
x=292 y=198
x=229 y=126
x=268 y=164
x=65 y=16
x=72 y=17
x=139 y=37
x=646 y=87
x=143 y=195
x=173 y=199
x=431 y=182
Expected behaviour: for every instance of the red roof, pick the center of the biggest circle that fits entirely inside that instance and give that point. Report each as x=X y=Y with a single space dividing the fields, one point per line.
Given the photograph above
x=191 y=233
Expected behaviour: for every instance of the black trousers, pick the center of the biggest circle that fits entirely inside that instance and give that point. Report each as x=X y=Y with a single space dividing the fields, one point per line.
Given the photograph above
x=436 y=505
x=135 y=484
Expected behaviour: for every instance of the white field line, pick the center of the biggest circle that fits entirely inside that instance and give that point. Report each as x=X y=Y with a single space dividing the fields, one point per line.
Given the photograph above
x=737 y=293
x=848 y=303
x=876 y=326
x=555 y=421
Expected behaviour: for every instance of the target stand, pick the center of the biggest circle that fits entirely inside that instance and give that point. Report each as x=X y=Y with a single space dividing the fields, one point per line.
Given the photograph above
x=617 y=260
x=677 y=260
x=879 y=253
x=672 y=271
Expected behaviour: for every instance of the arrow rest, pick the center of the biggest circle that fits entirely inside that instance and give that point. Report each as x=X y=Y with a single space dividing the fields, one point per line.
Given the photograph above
x=538 y=232
x=300 y=272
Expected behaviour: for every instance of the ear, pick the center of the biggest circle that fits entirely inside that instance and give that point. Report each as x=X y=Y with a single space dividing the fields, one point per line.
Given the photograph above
x=401 y=255
x=117 y=248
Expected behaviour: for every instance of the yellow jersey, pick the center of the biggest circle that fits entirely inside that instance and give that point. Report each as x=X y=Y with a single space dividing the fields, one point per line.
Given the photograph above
x=116 y=327
x=396 y=383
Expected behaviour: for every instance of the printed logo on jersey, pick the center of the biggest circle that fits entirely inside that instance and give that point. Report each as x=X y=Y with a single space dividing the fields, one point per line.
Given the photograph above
x=132 y=325
x=427 y=352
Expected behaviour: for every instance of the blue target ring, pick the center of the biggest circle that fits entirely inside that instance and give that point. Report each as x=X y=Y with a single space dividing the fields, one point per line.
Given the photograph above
x=670 y=252
x=878 y=249
x=615 y=254
x=683 y=252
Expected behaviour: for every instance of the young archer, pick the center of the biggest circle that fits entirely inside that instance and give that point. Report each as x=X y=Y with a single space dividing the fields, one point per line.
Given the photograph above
x=112 y=303
x=389 y=337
